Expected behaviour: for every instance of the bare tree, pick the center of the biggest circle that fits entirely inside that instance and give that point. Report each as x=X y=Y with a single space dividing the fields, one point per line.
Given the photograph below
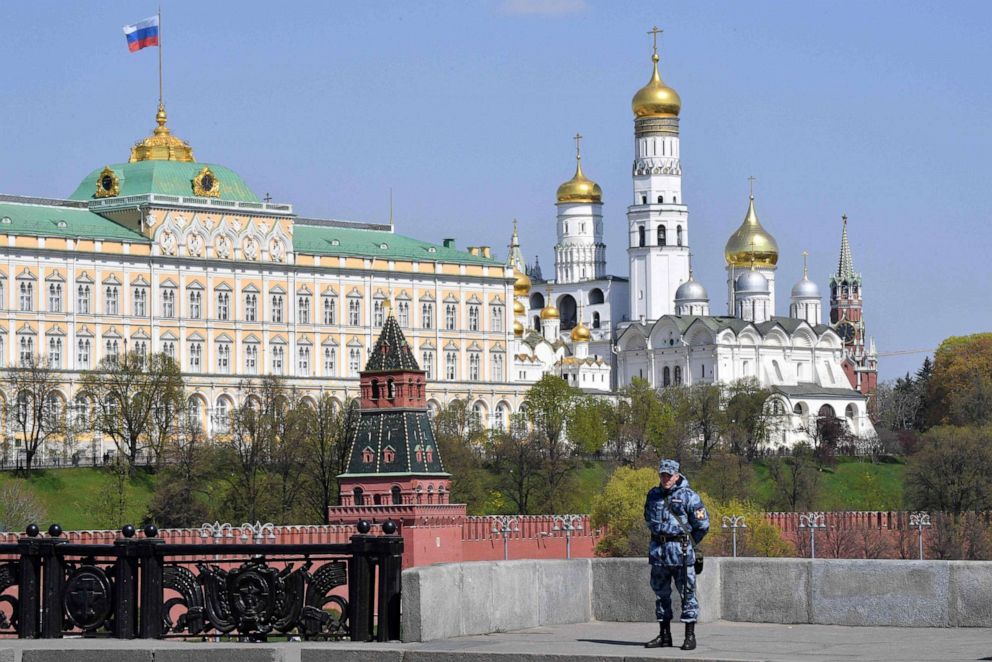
x=327 y=452
x=35 y=404
x=18 y=507
x=516 y=464
x=179 y=499
x=126 y=391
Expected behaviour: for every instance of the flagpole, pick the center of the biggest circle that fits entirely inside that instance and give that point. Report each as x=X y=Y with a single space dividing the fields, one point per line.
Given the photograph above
x=160 y=102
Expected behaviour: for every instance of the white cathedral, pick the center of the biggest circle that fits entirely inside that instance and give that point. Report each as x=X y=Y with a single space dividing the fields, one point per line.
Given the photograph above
x=600 y=331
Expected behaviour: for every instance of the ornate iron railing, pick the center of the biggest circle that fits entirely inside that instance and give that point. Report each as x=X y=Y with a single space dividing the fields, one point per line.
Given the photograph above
x=144 y=587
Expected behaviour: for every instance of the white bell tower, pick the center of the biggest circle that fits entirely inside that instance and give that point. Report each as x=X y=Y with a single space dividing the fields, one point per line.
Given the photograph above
x=580 y=253
x=658 y=219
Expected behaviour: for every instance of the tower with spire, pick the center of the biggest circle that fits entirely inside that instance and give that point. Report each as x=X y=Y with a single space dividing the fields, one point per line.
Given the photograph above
x=580 y=253
x=861 y=361
x=658 y=219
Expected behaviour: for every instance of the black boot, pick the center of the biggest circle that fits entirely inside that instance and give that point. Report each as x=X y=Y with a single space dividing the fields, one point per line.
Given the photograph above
x=690 y=637
x=664 y=638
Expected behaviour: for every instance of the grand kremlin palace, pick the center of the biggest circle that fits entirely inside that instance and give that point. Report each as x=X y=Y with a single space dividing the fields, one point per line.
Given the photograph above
x=166 y=254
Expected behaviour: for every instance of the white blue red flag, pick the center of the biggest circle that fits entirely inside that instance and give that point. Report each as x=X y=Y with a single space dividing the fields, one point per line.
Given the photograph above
x=142 y=34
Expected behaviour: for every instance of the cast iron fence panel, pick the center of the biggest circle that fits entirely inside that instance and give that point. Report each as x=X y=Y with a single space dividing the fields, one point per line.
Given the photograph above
x=144 y=587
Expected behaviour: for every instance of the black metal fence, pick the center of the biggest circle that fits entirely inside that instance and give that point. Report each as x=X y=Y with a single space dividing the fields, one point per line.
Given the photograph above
x=144 y=587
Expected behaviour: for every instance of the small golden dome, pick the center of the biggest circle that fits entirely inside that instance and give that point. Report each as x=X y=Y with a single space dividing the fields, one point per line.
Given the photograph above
x=549 y=312
x=580 y=188
x=751 y=244
x=581 y=333
x=518 y=308
x=161 y=145
x=521 y=286
x=656 y=99
x=518 y=329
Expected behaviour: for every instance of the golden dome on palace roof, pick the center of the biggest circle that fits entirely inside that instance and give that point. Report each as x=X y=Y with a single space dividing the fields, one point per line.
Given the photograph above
x=161 y=145
x=656 y=99
x=521 y=286
x=581 y=333
x=751 y=244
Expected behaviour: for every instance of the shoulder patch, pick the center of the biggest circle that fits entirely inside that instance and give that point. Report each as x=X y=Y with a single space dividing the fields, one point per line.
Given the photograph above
x=701 y=513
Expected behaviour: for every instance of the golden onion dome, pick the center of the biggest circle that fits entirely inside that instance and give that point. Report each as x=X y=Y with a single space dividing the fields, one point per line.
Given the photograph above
x=581 y=333
x=518 y=308
x=521 y=286
x=580 y=188
x=751 y=244
x=518 y=329
x=656 y=99
x=549 y=312
x=161 y=145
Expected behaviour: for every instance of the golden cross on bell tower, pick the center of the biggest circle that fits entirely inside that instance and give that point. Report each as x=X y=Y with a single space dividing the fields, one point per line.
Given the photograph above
x=750 y=185
x=654 y=32
x=578 y=146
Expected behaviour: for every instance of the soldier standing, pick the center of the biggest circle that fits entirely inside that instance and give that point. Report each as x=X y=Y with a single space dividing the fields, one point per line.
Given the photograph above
x=678 y=521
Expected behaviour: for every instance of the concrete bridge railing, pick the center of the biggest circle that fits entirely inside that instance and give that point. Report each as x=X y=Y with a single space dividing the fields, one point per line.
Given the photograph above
x=451 y=600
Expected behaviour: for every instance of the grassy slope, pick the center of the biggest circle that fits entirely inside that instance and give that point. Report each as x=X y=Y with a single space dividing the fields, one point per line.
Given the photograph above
x=850 y=485
x=76 y=498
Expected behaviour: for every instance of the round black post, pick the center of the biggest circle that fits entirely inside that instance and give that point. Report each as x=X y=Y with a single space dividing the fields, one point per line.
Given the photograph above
x=126 y=586
x=152 y=594
x=390 y=561
x=360 y=580
x=29 y=590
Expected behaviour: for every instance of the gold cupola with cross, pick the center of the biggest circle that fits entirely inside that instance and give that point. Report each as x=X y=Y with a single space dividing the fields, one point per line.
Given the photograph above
x=579 y=188
x=656 y=99
x=751 y=244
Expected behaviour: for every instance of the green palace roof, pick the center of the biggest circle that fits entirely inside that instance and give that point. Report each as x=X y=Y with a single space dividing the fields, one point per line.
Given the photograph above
x=362 y=242
x=168 y=178
x=54 y=220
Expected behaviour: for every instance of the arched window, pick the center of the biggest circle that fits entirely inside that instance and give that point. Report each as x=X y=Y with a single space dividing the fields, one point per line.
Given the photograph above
x=644 y=199
x=661 y=199
x=397 y=495
x=359 y=496
x=666 y=376
x=596 y=296
x=375 y=389
x=661 y=235
x=595 y=320
x=391 y=389
x=678 y=375
x=640 y=236
x=678 y=235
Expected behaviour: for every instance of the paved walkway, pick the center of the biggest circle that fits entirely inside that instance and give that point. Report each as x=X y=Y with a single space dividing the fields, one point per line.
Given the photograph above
x=586 y=642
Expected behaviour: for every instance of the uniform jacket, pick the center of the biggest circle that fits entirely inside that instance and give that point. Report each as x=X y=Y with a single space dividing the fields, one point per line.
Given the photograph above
x=689 y=508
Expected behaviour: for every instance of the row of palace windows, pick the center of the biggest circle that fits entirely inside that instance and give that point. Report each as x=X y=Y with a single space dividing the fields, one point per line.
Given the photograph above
x=277 y=357
x=223 y=309
x=662 y=236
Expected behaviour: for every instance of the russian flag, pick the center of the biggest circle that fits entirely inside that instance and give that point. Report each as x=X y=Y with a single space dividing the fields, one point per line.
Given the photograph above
x=141 y=34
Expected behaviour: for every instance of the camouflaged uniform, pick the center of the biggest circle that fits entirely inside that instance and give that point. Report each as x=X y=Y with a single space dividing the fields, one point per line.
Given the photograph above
x=667 y=560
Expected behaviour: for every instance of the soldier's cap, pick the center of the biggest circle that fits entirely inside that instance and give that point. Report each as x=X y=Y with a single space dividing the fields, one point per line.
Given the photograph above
x=670 y=467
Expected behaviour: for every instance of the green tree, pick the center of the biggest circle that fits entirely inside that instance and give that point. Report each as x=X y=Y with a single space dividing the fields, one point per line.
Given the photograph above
x=326 y=453
x=952 y=472
x=517 y=468
x=760 y=538
x=589 y=428
x=461 y=442
x=725 y=477
x=641 y=425
x=960 y=385
x=550 y=406
x=746 y=417
x=795 y=480
x=700 y=420
x=619 y=511
x=181 y=492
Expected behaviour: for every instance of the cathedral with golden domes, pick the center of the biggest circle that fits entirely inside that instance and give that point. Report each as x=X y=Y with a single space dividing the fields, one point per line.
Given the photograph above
x=656 y=323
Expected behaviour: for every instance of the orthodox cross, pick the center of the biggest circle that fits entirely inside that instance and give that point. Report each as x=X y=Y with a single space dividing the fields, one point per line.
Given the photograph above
x=654 y=32
x=578 y=145
x=267 y=198
x=750 y=184
x=690 y=265
x=805 y=271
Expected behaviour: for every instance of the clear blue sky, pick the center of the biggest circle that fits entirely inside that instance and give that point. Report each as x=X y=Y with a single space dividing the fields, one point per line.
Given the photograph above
x=875 y=109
